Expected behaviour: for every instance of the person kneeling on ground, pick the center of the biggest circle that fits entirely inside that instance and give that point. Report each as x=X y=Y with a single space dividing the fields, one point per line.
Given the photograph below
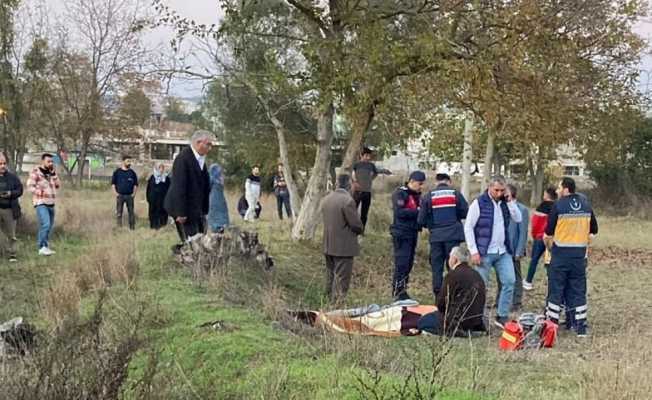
x=460 y=308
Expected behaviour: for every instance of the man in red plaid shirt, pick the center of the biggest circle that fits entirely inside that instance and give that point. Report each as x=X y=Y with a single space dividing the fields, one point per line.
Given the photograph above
x=43 y=183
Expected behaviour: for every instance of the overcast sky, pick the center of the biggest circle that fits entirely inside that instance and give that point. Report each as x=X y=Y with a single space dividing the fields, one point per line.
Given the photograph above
x=208 y=12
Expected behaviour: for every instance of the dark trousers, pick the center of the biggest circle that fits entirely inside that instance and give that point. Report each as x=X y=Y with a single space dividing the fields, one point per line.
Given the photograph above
x=338 y=276
x=518 y=285
x=158 y=217
x=567 y=287
x=283 y=200
x=435 y=323
x=121 y=200
x=190 y=228
x=363 y=200
x=404 y=250
x=439 y=252
x=538 y=249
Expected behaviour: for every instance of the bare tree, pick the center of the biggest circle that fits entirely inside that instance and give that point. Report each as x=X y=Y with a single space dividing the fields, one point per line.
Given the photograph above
x=108 y=33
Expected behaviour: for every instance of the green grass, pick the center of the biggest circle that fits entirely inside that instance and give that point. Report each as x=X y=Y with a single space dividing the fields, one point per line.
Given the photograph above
x=256 y=357
x=253 y=358
x=21 y=283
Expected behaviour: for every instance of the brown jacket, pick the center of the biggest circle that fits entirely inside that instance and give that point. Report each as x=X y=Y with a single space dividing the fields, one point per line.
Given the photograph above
x=462 y=299
x=342 y=224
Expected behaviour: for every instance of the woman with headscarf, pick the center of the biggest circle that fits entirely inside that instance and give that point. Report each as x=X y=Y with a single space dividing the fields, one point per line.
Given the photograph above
x=218 y=212
x=157 y=187
x=252 y=193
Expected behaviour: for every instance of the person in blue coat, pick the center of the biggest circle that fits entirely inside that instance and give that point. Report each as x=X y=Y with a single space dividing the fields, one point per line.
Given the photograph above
x=405 y=230
x=218 y=212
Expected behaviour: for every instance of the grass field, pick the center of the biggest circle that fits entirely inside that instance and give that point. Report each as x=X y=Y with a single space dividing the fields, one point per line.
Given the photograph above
x=257 y=354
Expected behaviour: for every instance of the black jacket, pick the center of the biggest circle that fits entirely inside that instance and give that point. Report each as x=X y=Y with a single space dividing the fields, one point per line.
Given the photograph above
x=190 y=187
x=405 y=204
x=15 y=186
x=156 y=193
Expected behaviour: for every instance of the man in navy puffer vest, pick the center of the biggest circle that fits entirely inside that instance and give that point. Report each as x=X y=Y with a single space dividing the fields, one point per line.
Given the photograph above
x=487 y=237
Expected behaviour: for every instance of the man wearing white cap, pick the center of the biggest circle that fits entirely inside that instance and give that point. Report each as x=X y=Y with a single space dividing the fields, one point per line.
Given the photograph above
x=442 y=212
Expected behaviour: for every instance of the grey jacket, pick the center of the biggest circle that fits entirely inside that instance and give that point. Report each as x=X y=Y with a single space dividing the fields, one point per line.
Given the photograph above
x=518 y=231
x=342 y=224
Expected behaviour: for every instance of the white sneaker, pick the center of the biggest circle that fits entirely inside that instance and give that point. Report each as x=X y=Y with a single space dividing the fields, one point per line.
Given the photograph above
x=44 y=251
x=527 y=285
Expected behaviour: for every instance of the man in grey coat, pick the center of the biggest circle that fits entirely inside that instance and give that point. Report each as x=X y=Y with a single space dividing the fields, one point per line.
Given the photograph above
x=342 y=225
x=517 y=232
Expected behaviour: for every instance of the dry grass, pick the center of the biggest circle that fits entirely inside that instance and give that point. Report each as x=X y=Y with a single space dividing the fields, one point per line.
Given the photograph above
x=101 y=267
x=609 y=365
x=612 y=364
x=82 y=359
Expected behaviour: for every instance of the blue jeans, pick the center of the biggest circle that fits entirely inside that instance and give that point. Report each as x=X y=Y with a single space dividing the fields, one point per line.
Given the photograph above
x=505 y=269
x=45 y=216
x=538 y=248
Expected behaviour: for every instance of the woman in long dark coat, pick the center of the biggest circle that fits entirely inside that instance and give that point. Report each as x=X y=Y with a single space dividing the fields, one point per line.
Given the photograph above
x=157 y=187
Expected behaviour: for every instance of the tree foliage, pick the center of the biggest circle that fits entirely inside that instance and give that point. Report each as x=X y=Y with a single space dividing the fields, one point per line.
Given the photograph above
x=248 y=133
x=175 y=110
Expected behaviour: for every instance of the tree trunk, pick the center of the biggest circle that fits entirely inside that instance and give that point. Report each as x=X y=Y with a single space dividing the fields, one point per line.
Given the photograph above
x=488 y=160
x=467 y=157
x=359 y=128
x=537 y=170
x=81 y=158
x=20 y=154
x=309 y=218
x=497 y=164
x=295 y=199
x=67 y=169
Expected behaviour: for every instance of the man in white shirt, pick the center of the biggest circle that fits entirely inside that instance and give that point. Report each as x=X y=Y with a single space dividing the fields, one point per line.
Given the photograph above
x=486 y=234
x=187 y=199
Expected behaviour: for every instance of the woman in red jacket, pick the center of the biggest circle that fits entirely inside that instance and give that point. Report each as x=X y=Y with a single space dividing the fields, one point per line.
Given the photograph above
x=539 y=223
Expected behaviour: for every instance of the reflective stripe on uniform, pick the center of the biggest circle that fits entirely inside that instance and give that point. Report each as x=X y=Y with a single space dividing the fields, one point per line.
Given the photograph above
x=552 y=314
x=552 y=311
x=443 y=198
x=572 y=230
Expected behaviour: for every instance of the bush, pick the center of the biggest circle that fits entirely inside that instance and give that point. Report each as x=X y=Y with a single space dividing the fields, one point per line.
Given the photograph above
x=624 y=175
x=80 y=360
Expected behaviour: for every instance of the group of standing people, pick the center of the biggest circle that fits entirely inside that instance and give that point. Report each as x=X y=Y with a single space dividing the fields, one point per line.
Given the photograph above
x=249 y=205
x=193 y=196
x=494 y=228
x=43 y=183
x=194 y=183
x=489 y=234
